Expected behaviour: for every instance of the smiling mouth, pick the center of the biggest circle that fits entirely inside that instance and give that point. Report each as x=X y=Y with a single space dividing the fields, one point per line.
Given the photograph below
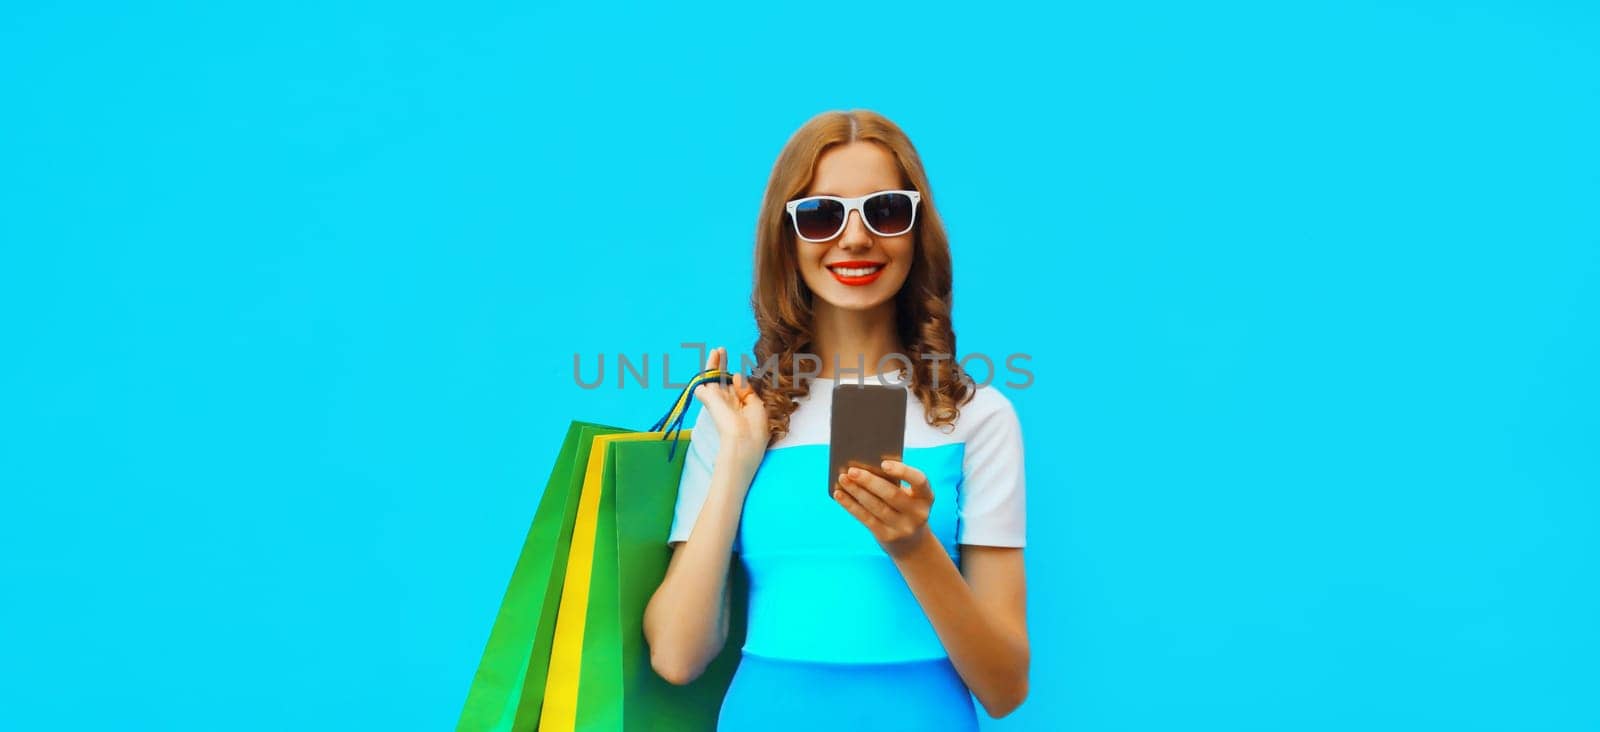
x=856 y=274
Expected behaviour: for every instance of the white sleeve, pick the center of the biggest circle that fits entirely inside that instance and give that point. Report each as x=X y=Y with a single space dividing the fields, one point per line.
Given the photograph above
x=696 y=479
x=993 y=499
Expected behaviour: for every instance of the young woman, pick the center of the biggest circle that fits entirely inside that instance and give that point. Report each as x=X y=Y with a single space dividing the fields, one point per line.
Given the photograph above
x=891 y=605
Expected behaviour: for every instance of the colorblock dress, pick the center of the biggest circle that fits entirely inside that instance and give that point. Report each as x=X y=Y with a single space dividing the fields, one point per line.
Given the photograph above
x=835 y=640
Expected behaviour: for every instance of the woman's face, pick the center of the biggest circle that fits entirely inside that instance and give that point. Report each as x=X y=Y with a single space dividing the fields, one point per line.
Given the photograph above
x=857 y=270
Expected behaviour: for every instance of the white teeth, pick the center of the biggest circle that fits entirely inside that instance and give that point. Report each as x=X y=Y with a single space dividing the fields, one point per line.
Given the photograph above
x=857 y=271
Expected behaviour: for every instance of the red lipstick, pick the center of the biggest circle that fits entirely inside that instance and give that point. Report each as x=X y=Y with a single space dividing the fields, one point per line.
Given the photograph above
x=856 y=272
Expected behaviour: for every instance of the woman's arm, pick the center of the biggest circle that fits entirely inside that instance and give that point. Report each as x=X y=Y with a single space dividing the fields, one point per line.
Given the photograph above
x=686 y=621
x=981 y=619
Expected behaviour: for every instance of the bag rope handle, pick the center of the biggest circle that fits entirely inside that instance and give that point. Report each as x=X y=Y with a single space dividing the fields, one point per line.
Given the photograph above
x=671 y=423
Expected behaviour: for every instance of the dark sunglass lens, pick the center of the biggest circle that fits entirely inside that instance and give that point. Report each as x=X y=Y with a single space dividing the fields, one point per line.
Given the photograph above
x=819 y=219
x=889 y=213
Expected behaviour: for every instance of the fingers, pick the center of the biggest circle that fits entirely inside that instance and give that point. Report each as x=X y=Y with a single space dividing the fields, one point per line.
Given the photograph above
x=917 y=479
x=896 y=515
x=742 y=388
x=718 y=361
x=735 y=390
x=715 y=362
x=712 y=401
x=713 y=395
x=850 y=504
x=725 y=396
x=876 y=500
x=886 y=491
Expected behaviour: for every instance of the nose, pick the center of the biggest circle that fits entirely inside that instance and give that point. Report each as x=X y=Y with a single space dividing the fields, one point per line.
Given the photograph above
x=855 y=234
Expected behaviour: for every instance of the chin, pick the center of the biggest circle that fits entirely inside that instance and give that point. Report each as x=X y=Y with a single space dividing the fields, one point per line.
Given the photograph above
x=858 y=299
x=857 y=303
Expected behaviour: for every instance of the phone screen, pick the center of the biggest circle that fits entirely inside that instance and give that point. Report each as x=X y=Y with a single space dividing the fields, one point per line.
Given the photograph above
x=868 y=426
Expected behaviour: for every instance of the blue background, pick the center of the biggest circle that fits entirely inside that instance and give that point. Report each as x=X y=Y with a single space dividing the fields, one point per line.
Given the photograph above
x=290 y=296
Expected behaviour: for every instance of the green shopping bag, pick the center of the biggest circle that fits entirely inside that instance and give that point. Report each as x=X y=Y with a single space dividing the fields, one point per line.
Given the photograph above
x=643 y=519
x=518 y=650
x=511 y=684
x=600 y=676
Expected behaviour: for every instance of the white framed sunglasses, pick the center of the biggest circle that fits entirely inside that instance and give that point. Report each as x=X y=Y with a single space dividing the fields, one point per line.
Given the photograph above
x=885 y=213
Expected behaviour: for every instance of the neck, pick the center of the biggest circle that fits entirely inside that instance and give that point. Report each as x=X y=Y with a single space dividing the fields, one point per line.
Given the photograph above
x=852 y=339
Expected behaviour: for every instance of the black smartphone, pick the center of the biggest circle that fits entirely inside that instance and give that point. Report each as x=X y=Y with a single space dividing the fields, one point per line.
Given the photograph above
x=868 y=426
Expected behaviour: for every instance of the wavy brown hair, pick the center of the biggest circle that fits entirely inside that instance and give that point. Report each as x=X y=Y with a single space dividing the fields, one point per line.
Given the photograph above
x=782 y=301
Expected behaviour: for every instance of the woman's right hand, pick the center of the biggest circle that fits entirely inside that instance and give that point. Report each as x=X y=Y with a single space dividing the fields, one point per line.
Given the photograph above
x=739 y=414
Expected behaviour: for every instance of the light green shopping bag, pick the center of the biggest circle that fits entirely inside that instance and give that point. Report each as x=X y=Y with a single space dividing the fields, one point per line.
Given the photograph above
x=509 y=689
x=600 y=675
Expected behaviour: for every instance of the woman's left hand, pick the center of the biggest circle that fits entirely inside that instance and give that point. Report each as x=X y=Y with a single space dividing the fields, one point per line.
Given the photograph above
x=897 y=515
